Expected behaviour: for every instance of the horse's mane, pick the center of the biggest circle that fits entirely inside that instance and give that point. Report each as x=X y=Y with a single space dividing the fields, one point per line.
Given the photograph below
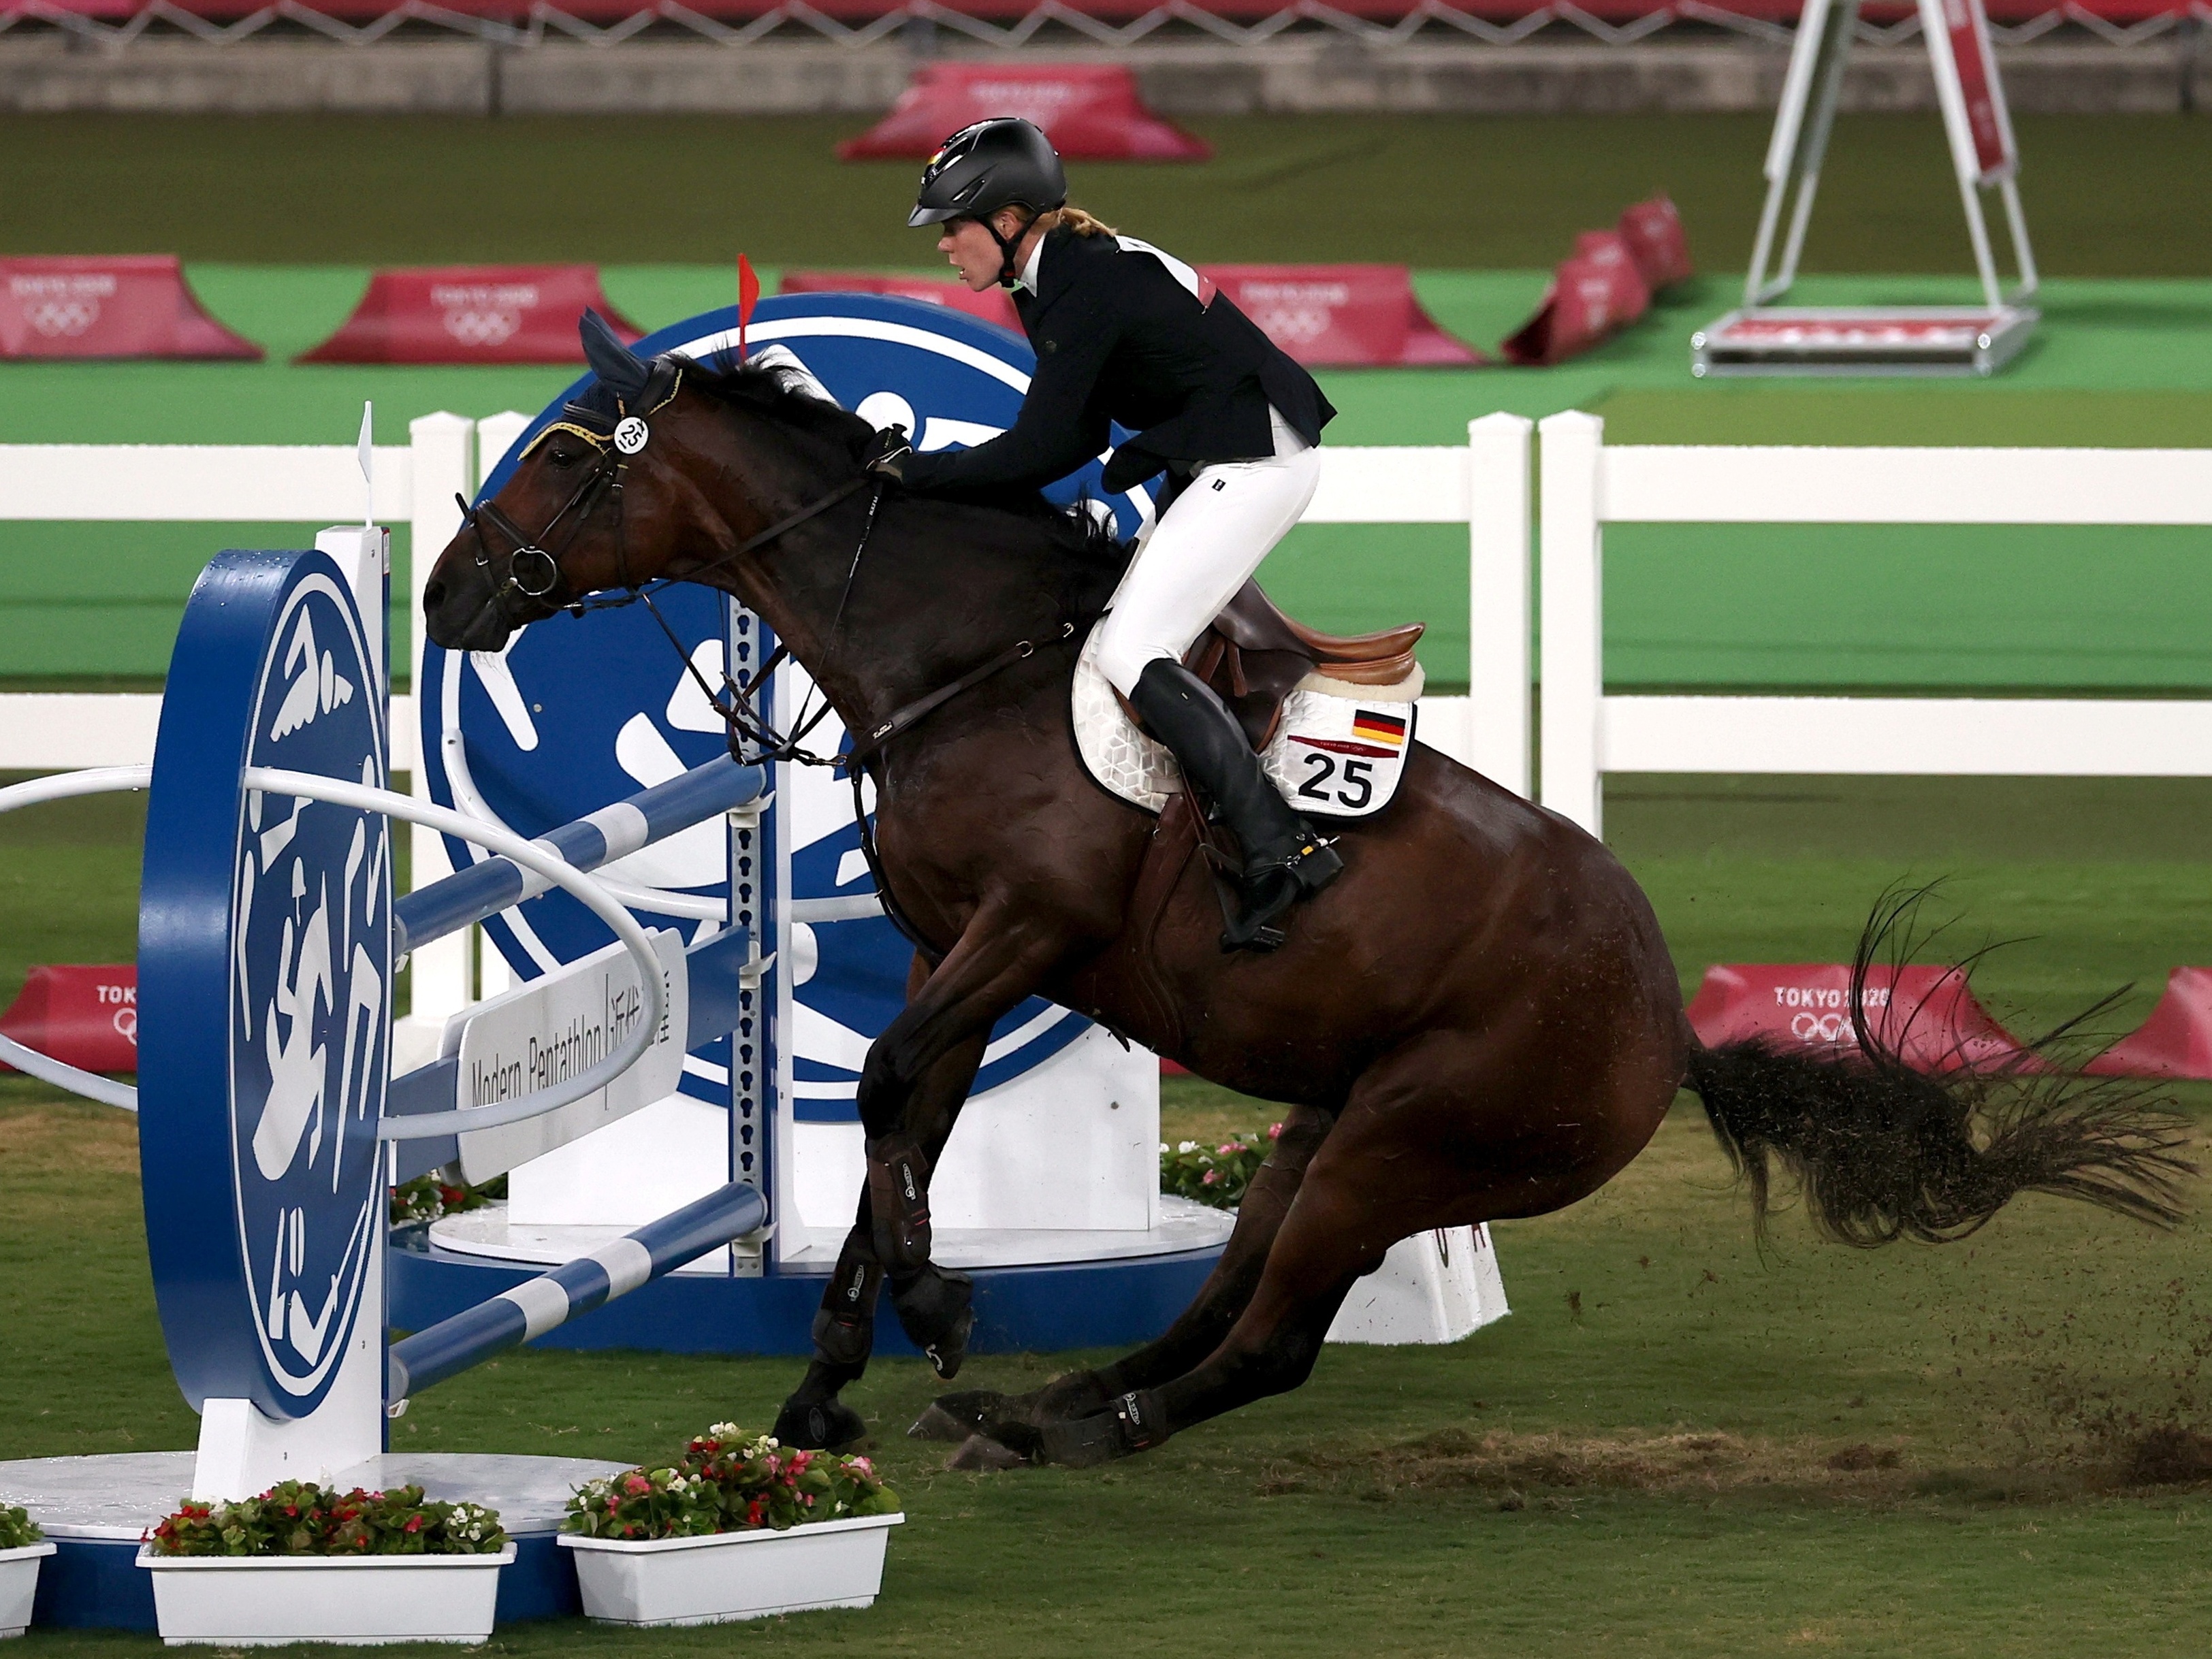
x=1086 y=541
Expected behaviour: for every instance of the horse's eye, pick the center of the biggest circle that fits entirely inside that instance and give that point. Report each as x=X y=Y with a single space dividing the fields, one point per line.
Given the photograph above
x=560 y=457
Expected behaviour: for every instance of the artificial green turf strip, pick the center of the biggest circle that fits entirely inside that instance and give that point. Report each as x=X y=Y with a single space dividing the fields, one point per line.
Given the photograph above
x=2119 y=363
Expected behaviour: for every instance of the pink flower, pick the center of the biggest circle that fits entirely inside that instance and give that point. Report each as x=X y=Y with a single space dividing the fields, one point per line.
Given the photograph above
x=1209 y=1177
x=1274 y=1132
x=637 y=1483
x=1227 y=1148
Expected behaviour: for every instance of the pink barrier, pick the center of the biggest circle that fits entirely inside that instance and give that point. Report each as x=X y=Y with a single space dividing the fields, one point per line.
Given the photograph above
x=83 y=1016
x=472 y=314
x=1653 y=231
x=1342 y=316
x=1927 y=1014
x=2175 y=1041
x=1593 y=294
x=114 y=306
x=992 y=305
x=1091 y=111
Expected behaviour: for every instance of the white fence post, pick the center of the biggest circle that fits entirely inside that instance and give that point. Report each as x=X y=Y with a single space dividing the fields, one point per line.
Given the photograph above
x=496 y=435
x=1572 y=551
x=438 y=973
x=1498 y=620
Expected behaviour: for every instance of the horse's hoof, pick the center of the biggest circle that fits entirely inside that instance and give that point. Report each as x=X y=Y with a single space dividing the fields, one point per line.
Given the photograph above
x=934 y=1311
x=935 y=1423
x=980 y=1451
x=819 y=1425
x=1082 y=1442
x=967 y=1411
x=1076 y=1393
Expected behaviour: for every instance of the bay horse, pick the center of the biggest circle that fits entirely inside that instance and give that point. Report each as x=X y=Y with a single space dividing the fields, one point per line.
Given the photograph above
x=1479 y=1021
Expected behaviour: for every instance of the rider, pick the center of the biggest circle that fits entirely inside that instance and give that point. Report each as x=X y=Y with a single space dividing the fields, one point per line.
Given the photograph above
x=1127 y=333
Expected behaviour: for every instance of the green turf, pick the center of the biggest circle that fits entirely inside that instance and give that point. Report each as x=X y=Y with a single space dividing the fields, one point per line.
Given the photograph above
x=2107 y=196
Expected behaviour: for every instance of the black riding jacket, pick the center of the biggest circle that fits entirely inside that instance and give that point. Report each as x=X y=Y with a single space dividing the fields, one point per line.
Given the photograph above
x=1120 y=337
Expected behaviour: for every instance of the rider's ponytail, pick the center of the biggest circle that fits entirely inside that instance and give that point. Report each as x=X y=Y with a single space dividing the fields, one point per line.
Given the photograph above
x=1082 y=223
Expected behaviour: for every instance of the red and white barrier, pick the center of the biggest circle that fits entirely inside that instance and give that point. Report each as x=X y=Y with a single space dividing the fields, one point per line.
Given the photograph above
x=1927 y=1015
x=1653 y=231
x=472 y=314
x=1342 y=316
x=992 y=305
x=1091 y=111
x=1596 y=292
x=2175 y=1041
x=114 y=306
x=84 y=1016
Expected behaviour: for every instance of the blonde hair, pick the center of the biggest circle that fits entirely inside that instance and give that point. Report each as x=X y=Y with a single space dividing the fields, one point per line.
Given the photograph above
x=1082 y=223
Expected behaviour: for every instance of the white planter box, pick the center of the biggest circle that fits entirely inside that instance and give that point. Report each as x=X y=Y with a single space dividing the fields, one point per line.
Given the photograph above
x=258 y=1600
x=19 y=1584
x=732 y=1575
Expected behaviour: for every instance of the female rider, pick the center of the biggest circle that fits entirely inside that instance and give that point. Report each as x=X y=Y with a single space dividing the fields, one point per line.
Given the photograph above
x=1126 y=333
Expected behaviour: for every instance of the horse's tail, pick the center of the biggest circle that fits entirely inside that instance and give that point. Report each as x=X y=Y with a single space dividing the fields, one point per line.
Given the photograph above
x=1882 y=1151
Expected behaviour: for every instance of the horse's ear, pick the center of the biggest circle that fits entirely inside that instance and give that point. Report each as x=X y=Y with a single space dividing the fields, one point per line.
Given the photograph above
x=617 y=367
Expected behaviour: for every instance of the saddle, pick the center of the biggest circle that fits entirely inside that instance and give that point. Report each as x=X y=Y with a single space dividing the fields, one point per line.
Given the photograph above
x=1254 y=656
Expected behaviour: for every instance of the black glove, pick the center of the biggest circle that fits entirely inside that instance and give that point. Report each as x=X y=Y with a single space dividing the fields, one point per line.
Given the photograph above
x=887 y=455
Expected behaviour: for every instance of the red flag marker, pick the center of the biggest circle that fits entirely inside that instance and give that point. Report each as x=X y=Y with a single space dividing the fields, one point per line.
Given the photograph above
x=748 y=297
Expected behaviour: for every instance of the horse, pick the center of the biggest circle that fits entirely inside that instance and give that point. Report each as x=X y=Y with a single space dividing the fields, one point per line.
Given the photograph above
x=1479 y=1021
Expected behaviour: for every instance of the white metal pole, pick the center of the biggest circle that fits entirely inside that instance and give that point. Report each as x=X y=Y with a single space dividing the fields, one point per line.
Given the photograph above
x=496 y=435
x=437 y=973
x=1497 y=600
x=1573 y=612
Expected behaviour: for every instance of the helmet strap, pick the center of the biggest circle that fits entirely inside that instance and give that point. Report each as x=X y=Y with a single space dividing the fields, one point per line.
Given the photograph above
x=1009 y=273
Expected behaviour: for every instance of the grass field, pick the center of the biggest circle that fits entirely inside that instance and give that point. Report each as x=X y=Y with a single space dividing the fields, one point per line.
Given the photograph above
x=1640 y=1457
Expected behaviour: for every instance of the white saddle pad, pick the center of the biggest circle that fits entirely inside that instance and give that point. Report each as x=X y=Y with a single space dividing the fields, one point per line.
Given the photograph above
x=1338 y=753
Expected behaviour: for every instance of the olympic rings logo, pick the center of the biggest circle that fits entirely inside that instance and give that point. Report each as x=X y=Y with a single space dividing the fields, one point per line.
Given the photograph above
x=62 y=318
x=1831 y=1029
x=1299 y=324
x=482 y=328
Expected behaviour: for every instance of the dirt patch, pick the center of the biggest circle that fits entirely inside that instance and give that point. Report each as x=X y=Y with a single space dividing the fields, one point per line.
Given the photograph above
x=2168 y=1456
x=1514 y=1465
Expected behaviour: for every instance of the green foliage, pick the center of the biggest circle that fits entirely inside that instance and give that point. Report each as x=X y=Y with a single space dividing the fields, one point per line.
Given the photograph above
x=728 y=1480
x=299 y=1517
x=1217 y=1177
x=419 y=1202
x=16 y=1528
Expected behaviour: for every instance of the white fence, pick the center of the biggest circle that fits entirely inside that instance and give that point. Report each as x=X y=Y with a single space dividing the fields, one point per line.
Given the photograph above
x=1586 y=734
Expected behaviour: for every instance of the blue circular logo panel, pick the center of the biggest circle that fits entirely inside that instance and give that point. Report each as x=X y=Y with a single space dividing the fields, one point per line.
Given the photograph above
x=265 y=983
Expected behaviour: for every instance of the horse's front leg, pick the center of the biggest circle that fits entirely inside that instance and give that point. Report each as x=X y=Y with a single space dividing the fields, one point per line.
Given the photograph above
x=932 y=1305
x=999 y=959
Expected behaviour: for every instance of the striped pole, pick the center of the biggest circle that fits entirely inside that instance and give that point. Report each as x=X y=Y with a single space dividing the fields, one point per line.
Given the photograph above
x=612 y=832
x=539 y=1305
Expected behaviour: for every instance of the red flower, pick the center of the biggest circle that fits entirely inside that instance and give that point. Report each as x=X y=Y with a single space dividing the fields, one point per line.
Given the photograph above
x=414 y=1523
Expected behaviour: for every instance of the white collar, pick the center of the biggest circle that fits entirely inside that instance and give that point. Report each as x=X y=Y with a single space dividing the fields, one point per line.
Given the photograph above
x=1029 y=276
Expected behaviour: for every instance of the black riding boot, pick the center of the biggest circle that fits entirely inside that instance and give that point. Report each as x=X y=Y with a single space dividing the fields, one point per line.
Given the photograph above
x=1283 y=859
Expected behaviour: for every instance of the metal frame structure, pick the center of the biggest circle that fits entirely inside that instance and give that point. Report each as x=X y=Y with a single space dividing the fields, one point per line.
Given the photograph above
x=2117 y=23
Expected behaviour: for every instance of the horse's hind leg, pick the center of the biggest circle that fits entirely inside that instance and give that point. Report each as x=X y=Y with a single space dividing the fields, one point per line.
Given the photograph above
x=1196 y=1333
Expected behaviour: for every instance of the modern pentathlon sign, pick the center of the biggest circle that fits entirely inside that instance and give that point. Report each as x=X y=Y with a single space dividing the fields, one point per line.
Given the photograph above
x=1761 y=338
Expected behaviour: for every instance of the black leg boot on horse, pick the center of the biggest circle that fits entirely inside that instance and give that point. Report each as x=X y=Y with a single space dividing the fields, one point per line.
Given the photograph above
x=844 y=1334
x=1284 y=860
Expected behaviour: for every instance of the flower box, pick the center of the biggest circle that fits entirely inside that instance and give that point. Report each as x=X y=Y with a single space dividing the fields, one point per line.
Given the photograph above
x=19 y=1584
x=710 y=1579
x=261 y=1599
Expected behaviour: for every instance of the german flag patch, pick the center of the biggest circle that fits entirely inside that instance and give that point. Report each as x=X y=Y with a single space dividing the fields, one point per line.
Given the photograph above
x=1371 y=725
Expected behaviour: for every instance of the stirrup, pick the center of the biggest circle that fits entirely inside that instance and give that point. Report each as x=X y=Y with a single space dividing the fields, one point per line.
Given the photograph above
x=1268 y=888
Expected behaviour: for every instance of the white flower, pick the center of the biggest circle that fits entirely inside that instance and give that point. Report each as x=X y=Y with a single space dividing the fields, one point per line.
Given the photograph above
x=1187 y=1146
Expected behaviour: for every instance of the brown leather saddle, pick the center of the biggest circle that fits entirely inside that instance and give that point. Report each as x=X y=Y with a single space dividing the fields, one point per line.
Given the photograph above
x=1253 y=655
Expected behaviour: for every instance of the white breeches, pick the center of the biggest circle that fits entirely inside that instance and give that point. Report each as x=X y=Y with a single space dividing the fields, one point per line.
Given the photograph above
x=1205 y=547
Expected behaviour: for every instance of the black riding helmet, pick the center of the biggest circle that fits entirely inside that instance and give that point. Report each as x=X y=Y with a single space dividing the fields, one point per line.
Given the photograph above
x=1005 y=162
